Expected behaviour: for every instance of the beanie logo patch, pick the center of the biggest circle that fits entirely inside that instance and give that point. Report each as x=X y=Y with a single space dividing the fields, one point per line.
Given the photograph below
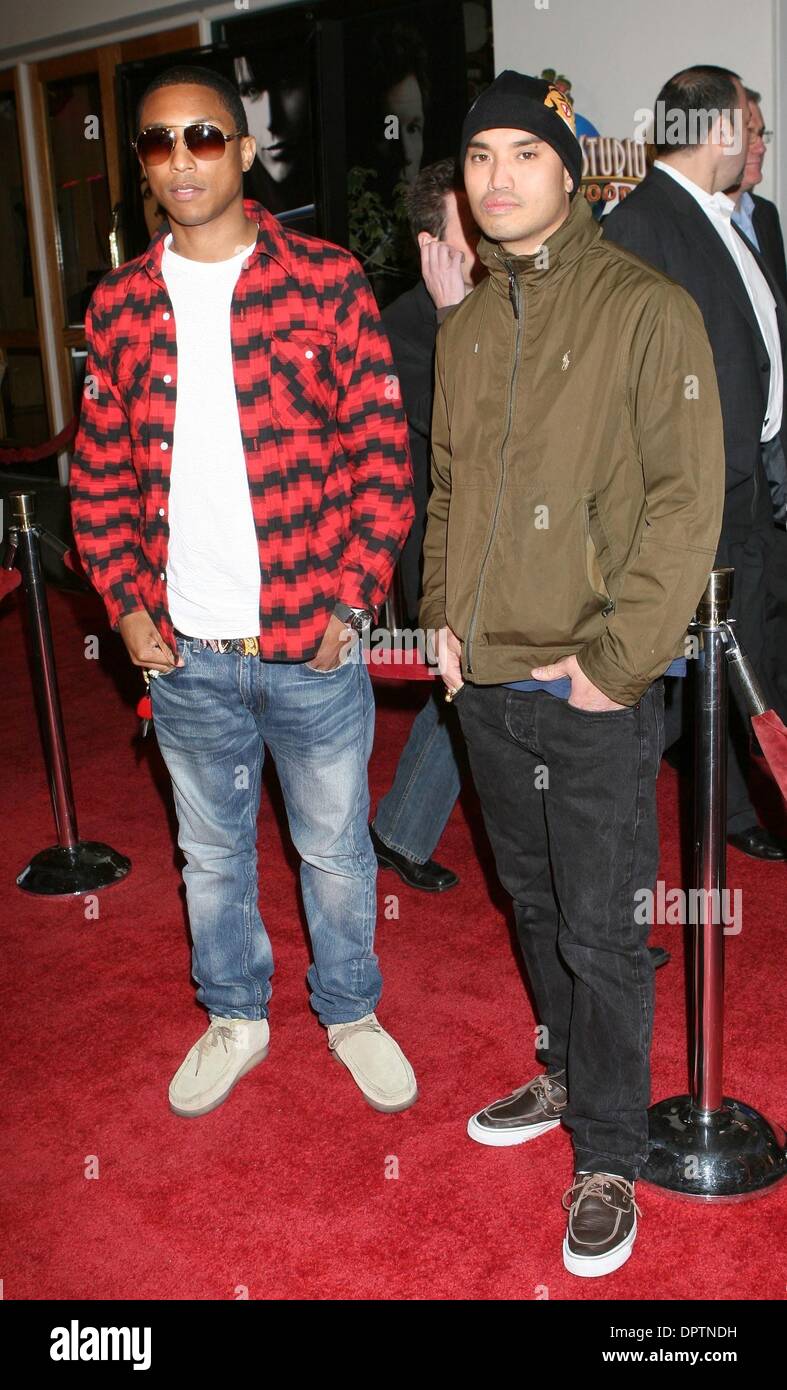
x=558 y=103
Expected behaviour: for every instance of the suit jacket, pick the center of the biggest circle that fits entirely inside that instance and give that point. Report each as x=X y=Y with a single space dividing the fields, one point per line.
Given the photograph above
x=662 y=223
x=769 y=235
x=411 y=325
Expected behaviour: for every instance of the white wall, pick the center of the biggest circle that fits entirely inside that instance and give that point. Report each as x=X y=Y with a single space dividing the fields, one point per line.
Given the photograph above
x=617 y=54
x=38 y=30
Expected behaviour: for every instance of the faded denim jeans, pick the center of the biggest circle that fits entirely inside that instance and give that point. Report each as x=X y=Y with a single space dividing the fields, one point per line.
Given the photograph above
x=214 y=717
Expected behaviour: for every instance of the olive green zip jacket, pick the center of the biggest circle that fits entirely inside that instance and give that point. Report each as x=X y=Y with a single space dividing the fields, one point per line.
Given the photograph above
x=577 y=465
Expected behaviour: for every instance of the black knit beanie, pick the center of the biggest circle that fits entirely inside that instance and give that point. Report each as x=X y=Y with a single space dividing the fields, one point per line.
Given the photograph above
x=516 y=102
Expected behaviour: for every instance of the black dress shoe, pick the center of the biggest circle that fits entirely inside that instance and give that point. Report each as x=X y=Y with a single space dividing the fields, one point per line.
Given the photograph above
x=758 y=843
x=429 y=877
x=659 y=956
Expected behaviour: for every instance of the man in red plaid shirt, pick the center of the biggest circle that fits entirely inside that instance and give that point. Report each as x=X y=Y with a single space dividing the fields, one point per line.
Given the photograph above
x=241 y=488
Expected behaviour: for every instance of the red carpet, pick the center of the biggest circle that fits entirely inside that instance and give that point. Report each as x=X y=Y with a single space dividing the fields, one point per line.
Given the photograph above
x=283 y=1190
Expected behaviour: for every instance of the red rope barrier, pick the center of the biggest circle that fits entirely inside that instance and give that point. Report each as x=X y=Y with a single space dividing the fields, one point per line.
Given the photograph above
x=31 y=453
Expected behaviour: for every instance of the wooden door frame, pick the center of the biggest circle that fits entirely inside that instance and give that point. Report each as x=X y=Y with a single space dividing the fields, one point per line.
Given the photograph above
x=53 y=338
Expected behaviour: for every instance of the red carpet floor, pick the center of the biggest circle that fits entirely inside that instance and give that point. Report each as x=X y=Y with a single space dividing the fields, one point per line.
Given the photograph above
x=283 y=1190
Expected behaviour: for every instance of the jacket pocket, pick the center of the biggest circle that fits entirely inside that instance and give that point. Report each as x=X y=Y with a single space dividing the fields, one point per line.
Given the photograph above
x=303 y=378
x=538 y=591
x=597 y=553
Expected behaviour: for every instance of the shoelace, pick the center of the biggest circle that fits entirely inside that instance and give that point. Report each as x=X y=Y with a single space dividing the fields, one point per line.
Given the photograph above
x=363 y=1025
x=539 y=1087
x=216 y=1032
x=593 y=1186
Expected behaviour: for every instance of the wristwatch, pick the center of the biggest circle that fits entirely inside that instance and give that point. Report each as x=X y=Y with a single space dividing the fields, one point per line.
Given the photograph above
x=356 y=618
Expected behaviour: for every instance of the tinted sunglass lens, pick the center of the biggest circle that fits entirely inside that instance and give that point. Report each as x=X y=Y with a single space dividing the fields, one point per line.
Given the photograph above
x=154 y=146
x=204 y=141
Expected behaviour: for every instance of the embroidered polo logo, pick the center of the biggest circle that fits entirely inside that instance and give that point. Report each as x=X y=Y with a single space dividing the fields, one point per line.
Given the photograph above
x=566 y=361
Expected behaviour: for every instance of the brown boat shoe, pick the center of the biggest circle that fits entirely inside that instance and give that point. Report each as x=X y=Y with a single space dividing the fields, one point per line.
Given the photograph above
x=525 y=1114
x=602 y=1224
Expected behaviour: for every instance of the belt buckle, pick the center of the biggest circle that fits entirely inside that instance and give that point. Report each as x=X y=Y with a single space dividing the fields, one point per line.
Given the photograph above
x=244 y=646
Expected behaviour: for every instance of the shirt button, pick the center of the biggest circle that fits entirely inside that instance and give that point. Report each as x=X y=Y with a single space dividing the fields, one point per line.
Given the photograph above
x=164 y=444
x=161 y=511
x=162 y=576
x=309 y=352
x=167 y=378
x=166 y=314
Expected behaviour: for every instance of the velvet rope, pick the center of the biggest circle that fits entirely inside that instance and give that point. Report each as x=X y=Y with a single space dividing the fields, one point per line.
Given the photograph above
x=32 y=453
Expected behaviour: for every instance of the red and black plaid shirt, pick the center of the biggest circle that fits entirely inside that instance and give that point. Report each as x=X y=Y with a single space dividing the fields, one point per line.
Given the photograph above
x=322 y=425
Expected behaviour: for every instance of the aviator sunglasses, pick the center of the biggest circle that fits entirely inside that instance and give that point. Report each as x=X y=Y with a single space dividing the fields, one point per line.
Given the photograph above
x=155 y=143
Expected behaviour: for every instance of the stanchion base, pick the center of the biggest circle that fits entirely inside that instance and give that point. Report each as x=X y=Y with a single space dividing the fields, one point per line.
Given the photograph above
x=724 y=1156
x=61 y=872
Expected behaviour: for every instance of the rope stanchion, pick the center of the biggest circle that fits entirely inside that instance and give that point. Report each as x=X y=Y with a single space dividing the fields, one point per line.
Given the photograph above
x=73 y=866
x=706 y=1145
x=769 y=728
x=33 y=453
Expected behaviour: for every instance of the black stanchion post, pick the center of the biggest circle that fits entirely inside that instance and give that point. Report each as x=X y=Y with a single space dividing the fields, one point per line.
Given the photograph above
x=706 y=1145
x=73 y=866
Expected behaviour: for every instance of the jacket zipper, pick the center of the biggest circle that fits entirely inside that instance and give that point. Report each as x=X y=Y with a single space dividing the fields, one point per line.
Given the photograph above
x=516 y=304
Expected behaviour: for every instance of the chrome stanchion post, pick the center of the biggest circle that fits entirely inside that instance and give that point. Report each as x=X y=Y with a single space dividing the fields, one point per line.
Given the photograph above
x=706 y=1145
x=73 y=866
x=710 y=846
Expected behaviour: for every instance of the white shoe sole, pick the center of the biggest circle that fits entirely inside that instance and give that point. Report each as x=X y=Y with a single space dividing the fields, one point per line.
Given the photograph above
x=253 y=1061
x=594 y=1266
x=505 y=1139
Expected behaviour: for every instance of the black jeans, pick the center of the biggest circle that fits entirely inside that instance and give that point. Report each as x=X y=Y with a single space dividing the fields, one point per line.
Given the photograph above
x=569 y=804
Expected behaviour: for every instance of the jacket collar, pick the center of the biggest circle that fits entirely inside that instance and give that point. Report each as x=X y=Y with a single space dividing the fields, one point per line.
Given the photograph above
x=571 y=240
x=271 y=241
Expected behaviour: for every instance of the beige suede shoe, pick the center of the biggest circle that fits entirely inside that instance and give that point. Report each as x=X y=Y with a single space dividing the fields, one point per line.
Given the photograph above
x=216 y=1062
x=376 y=1063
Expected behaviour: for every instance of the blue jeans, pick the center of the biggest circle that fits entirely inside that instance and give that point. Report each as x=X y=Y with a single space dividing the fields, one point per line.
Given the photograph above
x=213 y=718
x=412 y=816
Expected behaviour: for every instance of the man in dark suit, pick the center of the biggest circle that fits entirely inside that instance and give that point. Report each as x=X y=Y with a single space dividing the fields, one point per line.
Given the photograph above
x=679 y=219
x=756 y=217
x=758 y=220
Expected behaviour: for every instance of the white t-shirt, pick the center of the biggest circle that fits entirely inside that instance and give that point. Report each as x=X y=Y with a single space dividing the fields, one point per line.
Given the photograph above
x=719 y=209
x=213 y=564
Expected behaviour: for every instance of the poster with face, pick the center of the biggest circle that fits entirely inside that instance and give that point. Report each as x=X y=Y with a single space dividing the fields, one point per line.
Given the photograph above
x=408 y=81
x=274 y=86
x=274 y=82
x=347 y=101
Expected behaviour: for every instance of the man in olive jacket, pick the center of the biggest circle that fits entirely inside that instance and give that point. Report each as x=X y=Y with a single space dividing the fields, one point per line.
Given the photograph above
x=578 y=487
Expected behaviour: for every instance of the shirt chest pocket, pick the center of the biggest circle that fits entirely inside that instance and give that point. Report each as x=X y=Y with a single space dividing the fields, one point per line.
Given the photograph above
x=303 y=378
x=130 y=369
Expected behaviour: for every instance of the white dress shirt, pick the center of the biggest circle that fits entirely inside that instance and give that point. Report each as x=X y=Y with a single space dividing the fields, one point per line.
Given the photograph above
x=719 y=209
